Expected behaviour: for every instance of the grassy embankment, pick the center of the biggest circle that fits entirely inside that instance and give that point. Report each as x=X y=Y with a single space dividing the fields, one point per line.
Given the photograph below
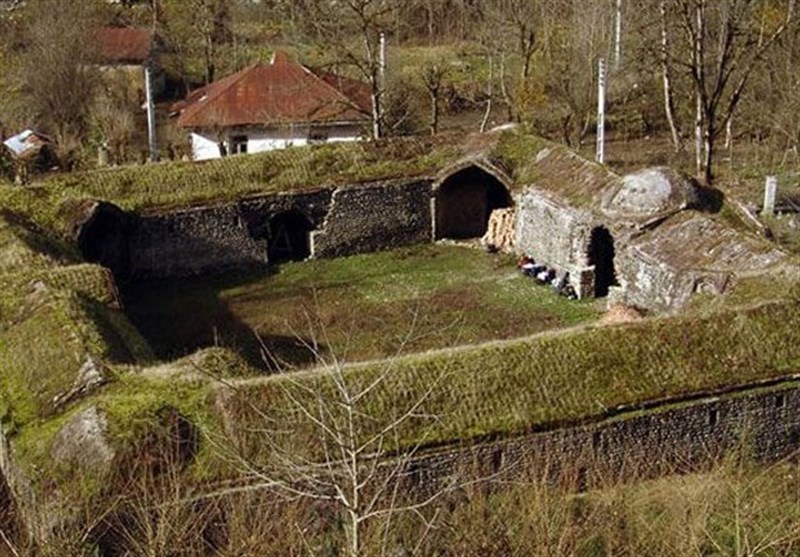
x=498 y=388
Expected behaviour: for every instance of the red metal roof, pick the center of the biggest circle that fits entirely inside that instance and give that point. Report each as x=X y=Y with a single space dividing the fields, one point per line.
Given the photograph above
x=123 y=45
x=281 y=92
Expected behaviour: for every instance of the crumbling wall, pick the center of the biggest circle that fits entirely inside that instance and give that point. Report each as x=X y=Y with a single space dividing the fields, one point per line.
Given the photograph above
x=192 y=241
x=346 y=220
x=373 y=217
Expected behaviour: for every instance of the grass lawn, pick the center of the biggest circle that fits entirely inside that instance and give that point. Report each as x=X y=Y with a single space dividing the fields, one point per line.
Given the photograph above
x=357 y=308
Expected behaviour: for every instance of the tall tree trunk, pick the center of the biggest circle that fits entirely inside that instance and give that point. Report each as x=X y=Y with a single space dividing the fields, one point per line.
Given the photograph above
x=669 y=101
x=699 y=69
x=617 y=34
x=434 y=124
x=698 y=135
x=709 y=140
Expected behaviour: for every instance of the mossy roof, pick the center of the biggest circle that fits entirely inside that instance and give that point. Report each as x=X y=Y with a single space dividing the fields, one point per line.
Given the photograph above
x=553 y=379
x=693 y=240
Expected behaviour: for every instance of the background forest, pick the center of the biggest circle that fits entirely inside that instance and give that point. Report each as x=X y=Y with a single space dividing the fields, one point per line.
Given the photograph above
x=688 y=79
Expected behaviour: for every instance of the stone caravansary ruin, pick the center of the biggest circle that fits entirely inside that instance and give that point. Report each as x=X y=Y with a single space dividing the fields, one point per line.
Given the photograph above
x=648 y=239
x=652 y=240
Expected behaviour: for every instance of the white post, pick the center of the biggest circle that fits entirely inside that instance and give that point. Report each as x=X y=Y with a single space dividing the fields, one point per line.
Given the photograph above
x=382 y=60
x=151 y=112
x=601 y=110
x=770 y=189
x=618 y=35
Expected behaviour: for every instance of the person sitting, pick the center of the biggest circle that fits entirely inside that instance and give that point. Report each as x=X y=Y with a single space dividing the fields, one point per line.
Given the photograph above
x=545 y=275
x=559 y=282
x=528 y=266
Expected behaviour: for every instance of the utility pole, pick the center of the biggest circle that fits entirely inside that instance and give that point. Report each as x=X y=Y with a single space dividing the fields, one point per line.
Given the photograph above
x=618 y=35
x=601 y=110
x=151 y=111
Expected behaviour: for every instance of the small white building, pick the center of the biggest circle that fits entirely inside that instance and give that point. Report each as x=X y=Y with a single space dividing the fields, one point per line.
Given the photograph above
x=272 y=106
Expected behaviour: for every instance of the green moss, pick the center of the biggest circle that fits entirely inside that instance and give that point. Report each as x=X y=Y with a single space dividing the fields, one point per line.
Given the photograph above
x=133 y=407
x=182 y=183
x=508 y=387
x=43 y=350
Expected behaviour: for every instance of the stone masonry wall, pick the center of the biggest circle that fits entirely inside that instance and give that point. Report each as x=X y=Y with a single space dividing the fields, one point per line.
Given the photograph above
x=552 y=233
x=192 y=241
x=374 y=217
x=345 y=221
x=766 y=424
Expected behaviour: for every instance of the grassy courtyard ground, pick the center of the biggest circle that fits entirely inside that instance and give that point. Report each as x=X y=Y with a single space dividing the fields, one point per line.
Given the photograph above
x=358 y=308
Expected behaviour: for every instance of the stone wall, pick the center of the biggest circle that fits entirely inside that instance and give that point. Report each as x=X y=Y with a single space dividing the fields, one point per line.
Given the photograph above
x=208 y=239
x=551 y=232
x=374 y=217
x=192 y=241
x=639 y=444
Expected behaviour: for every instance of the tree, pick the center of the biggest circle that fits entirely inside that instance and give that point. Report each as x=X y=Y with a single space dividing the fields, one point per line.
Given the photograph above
x=59 y=79
x=329 y=437
x=722 y=44
x=571 y=81
x=352 y=32
x=196 y=30
x=433 y=75
x=511 y=36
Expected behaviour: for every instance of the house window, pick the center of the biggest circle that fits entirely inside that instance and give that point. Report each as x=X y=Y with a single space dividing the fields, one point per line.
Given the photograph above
x=238 y=144
x=317 y=135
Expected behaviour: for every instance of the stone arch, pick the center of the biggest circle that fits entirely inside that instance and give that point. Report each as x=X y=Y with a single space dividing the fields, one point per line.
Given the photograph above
x=464 y=200
x=103 y=237
x=600 y=254
x=288 y=237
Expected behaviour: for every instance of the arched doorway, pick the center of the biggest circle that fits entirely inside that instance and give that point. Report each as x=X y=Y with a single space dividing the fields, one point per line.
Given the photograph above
x=601 y=255
x=288 y=237
x=464 y=202
x=103 y=238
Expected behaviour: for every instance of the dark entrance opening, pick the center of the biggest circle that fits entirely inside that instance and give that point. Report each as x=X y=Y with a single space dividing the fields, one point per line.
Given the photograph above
x=601 y=255
x=464 y=202
x=103 y=238
x=289 y=237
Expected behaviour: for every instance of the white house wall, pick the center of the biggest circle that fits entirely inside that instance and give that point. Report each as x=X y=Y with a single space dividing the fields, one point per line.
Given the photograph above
x=204 y=147
x=204 y=144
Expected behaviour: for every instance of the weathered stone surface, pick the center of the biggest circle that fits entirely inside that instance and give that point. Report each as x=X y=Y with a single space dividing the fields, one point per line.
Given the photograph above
x=651 y=193
x=551 y=231
x=766 y=425
x=82 y=444
x=373 y=217
x=90 y=376
x=193 y=241
x=686 y=254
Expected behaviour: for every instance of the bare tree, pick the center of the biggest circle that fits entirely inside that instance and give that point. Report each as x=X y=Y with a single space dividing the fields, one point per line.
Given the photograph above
x=571 y=80
x=59 y=80
x=722 y=44
x=433 y=75
x=196 y=30
x=326 y=442
x=112 y=115
x=510 y=36
x=666 y=77
x=351 y=31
